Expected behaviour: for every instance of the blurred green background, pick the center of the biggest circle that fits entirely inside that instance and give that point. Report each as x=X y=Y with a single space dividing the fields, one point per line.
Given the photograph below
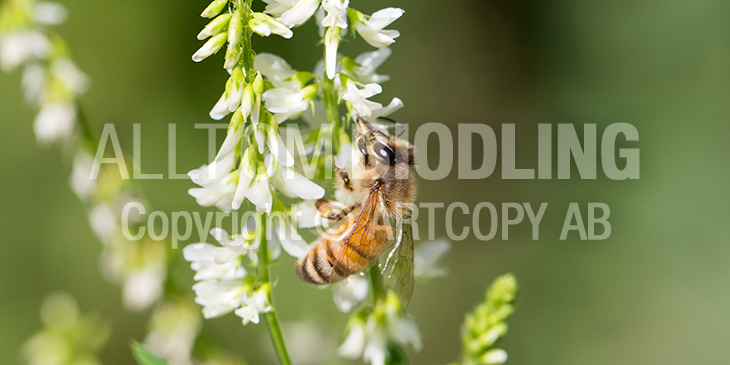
x=655 y=292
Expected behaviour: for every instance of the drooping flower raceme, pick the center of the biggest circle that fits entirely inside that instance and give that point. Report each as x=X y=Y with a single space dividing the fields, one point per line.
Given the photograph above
x=223 y=283
x=50 y=80
x=219 y=271
x=256 y=167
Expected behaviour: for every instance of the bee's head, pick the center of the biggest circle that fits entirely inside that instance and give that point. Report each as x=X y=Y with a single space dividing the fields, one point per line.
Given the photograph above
x=379 y=147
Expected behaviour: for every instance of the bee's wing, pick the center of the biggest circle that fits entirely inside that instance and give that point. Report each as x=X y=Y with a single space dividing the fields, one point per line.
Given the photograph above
x=397 y=268
x=359 y=235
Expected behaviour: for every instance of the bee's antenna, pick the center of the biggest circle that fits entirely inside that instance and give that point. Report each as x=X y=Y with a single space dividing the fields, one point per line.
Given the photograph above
x=403 y=129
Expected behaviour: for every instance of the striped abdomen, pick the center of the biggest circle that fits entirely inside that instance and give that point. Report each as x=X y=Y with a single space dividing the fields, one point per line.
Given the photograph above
x=335 y=257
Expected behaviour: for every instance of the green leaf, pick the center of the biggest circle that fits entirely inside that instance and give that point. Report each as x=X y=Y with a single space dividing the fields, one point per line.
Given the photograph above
x=144 y=356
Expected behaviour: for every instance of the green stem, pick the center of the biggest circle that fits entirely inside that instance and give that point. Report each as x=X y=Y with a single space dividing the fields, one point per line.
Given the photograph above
x=376 y=284
x=247 y=48
x=272 y=322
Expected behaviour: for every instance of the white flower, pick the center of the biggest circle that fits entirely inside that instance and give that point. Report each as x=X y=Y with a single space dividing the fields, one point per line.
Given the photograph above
x=253 y=306
x=235 y=32
x=376 y=350
x=294 y=184
x=382 y=111
x=347 y=157
x=358 y=98
x=426 y=259
x=404 y=331
x=386 y=323
x=306 y=215
x=286 y=103
x=368 y=63
x=372 y=29
x=81 y=180
x=246 y=175
x=55 y=122
x=247 y=243
x=336 y=13
x=232 y=96
x=291 y=12
x=70 y=76
x=49 y=13
x=273 y=67
x=34 y=78
x=350 y=293
x=104 y=222
x=247 y=102
x=259 y=193
x=495 y=357
x=218 y=297
x=278 y=148
x=216 y=187
x=233 y=137
x=214 y=263
x=215 y=26
x=210 y=47
x=401 y=327
x=289 y=238
x=259 y=134
x=355 y=341
x=219 y=270
x=331 y=43
x=144 y=286
x=19 y=46
x=256 y=111
x=265 y=25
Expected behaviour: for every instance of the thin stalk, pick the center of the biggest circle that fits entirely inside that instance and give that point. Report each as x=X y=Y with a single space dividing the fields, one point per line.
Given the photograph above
x=376 y=284
x=330 y=103
x=272 y=322
x=247 y=48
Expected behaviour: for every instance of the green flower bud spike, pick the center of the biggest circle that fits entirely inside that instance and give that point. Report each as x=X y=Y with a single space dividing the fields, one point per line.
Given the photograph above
x=488 y=323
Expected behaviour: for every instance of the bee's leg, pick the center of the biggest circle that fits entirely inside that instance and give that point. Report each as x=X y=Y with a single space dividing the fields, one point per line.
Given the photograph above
x=344 y=178
x=332 y=210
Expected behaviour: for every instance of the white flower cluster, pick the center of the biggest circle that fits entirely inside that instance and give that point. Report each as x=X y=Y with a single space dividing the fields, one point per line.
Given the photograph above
x=370 y=334
x=51 y=81
x=247 y=165
x=255 y=164
x=265 y=91
x=222 y=282
x=139 y=267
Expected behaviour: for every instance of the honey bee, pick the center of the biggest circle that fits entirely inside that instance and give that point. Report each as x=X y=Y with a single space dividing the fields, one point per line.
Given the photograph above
x=385 y=186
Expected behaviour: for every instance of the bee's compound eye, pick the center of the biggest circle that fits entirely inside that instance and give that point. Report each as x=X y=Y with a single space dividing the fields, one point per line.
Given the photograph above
x=361 y=146
x=384 y=153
